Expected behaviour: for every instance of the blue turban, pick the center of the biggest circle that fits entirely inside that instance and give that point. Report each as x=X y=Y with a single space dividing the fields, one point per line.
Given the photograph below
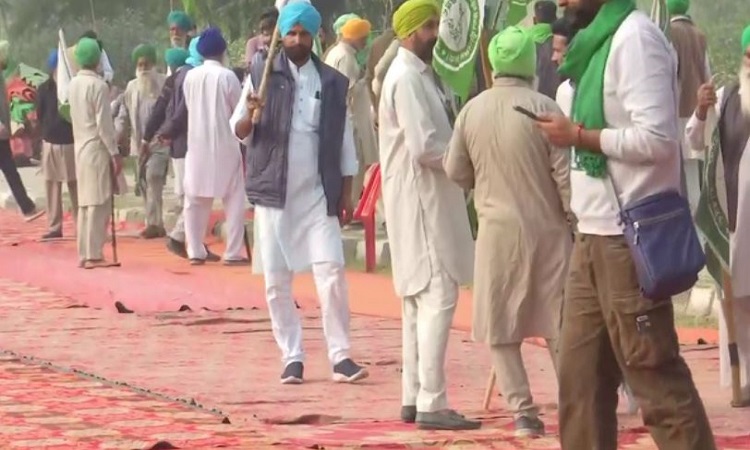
x=301 y=13
x=195 y=59
x=52 y=60
x=211 y=43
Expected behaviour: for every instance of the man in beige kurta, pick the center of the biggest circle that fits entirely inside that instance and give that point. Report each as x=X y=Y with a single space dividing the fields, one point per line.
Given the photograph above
x=152 y=158
x=428 y=226
x=522 y=195
x=97 y=159
x=343 y=57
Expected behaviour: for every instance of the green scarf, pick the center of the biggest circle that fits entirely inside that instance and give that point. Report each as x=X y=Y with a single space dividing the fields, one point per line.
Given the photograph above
x=540 y=32
x=584 y=64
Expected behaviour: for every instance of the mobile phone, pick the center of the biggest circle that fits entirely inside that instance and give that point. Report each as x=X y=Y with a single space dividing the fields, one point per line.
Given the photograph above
x=527 y=113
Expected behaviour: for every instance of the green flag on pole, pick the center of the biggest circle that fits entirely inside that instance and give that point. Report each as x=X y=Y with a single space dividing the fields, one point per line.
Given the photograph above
x=454 y=56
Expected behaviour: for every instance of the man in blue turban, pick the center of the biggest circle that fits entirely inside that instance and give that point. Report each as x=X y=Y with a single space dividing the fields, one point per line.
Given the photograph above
x=300 y=165
x=168 y=124
x=213 y=163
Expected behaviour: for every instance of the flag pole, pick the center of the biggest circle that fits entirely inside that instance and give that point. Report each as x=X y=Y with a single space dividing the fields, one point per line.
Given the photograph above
x=93 y=15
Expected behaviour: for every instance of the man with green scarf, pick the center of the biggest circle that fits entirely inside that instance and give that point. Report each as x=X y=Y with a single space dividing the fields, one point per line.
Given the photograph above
x=625 y=139
x=522 y=195
x=138 y=102
x=545 y=13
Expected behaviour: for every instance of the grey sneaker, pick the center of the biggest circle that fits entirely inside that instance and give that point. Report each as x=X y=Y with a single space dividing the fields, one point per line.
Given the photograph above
x=408 y=414
x=445 y=420
x=348 y=372
x=293 y=373
x=529 y=427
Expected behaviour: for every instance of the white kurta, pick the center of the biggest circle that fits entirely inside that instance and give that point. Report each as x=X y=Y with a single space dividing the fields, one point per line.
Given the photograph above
x=302 y=233
x=698 y=134
x=213 y=161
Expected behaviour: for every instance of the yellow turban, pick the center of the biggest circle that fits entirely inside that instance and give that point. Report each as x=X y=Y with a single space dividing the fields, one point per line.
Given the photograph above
x=513 y=52
x=356 y=29
x=412 y=15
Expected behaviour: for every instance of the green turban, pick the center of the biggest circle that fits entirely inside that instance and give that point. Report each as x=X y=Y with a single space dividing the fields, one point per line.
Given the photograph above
x=513 y=52
x=176 y=57
x=412 y=14
x=88 y=53
x=678 y=7
x=341 y=21
x=180 y=19
x=147 y=51
x=745 y=39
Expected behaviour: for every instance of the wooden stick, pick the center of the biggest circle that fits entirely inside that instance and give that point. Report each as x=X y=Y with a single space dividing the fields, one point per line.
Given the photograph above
x=263 y=88
x=489 y=390
x=727 y=307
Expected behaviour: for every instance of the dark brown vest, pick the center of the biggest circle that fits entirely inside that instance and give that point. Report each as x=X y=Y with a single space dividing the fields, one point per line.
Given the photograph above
x=690 y=44
x=734 y=132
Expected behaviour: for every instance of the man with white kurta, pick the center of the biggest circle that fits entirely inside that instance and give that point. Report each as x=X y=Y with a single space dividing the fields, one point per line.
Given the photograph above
x=343 y=57
x=300 y=163
x=731 y=149
x=213 y=163
x=98 y=161
x=428 y=225
x=138 y=102
x=522 y=195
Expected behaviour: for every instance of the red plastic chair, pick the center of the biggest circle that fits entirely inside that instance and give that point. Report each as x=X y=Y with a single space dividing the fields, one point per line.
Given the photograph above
x=365 y=213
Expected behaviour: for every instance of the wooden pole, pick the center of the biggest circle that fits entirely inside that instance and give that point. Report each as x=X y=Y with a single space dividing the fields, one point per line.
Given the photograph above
x=727 y=307
x=263 y=88
x=93 y=16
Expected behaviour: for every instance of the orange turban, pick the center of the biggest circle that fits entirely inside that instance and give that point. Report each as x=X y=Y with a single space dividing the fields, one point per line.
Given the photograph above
x=356 y=29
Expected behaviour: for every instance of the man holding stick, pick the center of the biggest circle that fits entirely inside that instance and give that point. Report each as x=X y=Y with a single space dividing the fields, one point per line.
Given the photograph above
x=97 y=160
x=729 y=148
x=300 y=163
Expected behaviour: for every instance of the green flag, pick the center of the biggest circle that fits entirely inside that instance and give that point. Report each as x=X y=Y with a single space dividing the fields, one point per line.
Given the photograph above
x=454 y=56
x=711 y=216
x=517 y=12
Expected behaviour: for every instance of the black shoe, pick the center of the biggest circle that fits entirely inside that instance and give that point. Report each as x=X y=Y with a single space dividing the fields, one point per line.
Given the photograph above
x=211 y=257
x=52 y=235
x=529 y=427
x=348 y=372
x=408 y=414
x=293 y=373
x=177 y=248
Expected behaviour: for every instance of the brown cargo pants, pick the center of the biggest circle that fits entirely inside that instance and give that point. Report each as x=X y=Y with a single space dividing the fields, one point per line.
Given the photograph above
x=610 y=333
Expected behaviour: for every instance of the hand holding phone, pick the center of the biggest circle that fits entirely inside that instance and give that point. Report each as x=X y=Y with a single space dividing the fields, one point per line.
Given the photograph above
x=529 y=114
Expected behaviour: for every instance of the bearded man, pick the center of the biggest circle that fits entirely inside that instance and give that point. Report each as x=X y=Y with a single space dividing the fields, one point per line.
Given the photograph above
x=98 y=161
x=627 y=145
x=428 y=225
x=343 y=57
x=300 y=162
x=731 y=149
x=138 y=101
x=180 y=25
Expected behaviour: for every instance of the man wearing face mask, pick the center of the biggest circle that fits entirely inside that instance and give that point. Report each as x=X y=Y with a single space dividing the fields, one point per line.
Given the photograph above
x=626 y=144
x=343 y=57
x=139 y=99
x=428 y=227
x=300 y=162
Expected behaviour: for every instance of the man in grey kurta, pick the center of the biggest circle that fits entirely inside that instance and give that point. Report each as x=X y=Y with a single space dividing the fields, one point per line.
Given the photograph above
x=522 y=195
x=97 y=159
x=153 y=158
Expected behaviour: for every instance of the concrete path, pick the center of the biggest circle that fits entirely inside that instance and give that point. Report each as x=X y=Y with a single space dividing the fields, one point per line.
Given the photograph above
x=225 y=364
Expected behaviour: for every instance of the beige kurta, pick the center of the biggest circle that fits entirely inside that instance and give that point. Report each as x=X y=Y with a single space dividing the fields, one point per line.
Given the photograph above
x=134 y=117
x=521 y=192
x=343 y=57
x=428 y=225
x=94 y=135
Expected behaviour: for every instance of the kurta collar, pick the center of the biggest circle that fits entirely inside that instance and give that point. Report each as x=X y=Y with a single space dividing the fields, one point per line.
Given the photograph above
x=683 y=18
x=511 y=82
x=89 y=73
x=211 y=62
x=413 y=60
